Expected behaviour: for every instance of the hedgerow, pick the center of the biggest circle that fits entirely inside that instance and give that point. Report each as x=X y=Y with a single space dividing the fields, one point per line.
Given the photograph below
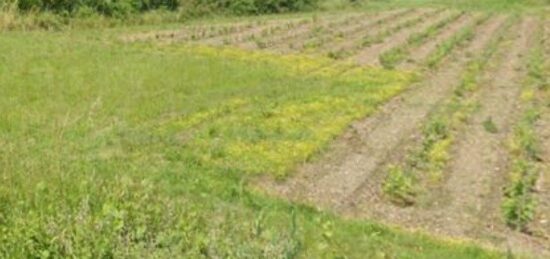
x=124 y=7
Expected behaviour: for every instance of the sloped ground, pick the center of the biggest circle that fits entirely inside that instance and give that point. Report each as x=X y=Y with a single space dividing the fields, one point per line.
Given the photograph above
x=348 y=177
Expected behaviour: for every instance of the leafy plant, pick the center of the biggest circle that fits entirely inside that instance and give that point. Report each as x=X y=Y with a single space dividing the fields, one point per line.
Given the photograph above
x=399 y=186
x=489 y=125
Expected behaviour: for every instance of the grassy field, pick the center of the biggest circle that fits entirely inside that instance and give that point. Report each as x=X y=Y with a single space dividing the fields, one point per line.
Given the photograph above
x=119 y=149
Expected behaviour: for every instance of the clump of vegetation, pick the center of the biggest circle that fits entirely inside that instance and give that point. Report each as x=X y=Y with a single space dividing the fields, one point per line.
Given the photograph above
x=391 y=58
x=489 y=125
x=399 y=186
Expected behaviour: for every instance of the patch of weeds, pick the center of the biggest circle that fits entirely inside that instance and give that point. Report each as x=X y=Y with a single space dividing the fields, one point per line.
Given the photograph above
x=338 y=54
x=489 y=125
x=398 y=186
x=393 y=57
x=519 y=206
x=261 y=44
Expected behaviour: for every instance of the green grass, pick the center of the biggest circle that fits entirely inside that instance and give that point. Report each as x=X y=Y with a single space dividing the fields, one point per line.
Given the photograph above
x=112 y=150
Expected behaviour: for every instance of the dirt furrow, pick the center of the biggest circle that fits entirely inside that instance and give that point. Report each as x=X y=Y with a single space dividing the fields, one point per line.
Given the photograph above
x=369 y=55
x=353 y=158
x=421 y=53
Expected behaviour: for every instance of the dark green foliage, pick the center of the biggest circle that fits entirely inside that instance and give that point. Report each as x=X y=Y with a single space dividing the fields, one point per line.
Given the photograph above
x=196 y=7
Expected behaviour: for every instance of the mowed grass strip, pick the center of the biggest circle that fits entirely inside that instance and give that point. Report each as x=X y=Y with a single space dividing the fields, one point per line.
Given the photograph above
x=96 y=161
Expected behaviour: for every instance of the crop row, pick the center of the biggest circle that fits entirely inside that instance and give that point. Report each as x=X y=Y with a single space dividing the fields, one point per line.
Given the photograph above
x=272 y=40
x=394 y=56
x=447 y=46
x=404 y=182
x=518 y=206
x=379 y=36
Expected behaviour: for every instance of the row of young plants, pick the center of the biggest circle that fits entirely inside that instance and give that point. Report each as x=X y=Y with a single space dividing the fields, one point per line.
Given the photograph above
x=395 y=56
x=318 y=27
x=318 y=39
x=347 y=47
x=381 y=35
x=202 y=32
x=464 y=35
x=264 y=31
x=518 y=206
x=426 y=163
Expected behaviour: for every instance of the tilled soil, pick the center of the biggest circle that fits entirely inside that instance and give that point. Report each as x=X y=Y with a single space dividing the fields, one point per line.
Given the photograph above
x=301 y=32
x=352 y=43
x=369 y=55
x=421 y=53
x=382 y=20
